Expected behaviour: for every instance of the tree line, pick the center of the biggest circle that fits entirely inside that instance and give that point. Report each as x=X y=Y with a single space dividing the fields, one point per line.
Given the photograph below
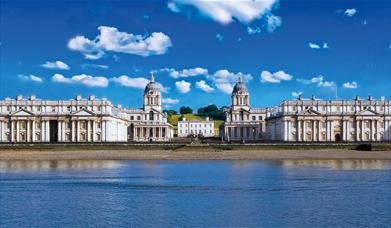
x=211 y=111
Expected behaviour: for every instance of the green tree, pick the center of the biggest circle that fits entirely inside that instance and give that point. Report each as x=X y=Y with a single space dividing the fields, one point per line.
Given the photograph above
x=185 y=110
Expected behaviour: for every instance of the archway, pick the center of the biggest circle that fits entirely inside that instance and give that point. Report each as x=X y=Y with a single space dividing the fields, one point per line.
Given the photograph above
x=337 y=137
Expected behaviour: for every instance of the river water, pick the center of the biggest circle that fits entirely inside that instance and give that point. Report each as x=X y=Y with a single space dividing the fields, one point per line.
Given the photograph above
x=300 y=193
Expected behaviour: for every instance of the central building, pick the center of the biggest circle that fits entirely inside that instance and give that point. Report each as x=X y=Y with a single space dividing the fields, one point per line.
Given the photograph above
x=242 y=122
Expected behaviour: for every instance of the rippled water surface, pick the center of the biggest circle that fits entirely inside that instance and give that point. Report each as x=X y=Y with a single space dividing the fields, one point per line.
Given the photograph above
x=305 y=193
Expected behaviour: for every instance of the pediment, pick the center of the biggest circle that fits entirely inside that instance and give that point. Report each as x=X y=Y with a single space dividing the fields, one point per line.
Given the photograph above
x=22 y=112
x=310 y=112
x=83 y=112
x=367 y=112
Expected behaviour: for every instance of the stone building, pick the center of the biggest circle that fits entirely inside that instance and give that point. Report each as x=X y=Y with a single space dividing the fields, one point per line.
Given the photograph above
x=195 y=127
x=243 y=123
x=83 y=120
x=331 y=121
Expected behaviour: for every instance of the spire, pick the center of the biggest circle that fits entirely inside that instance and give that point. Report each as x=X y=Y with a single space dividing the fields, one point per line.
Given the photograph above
x=151 y=77
x=240 y=80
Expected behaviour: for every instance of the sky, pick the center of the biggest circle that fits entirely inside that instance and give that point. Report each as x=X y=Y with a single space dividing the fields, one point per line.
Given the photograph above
x=196 y=49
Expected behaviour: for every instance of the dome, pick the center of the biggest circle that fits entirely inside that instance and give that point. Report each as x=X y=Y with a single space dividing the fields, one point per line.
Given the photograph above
x=152 y=85
x=240 y=86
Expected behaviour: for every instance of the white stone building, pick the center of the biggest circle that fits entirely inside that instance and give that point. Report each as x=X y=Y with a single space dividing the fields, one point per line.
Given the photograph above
x=243 y=123
x=330 y=121
x=195 y=127
x=83 y=120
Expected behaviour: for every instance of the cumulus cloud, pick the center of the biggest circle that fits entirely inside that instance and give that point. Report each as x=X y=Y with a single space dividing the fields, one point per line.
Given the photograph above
x=83 y=79
x=253 y=30
x=59 y=65
x=224 y=79
x=225 y=12
x=350 y=85
x=30 y=78
x=183 y=86
x=318 y=46
x=313 y=80
x=297 y=94
x=276 y=77
x=138 y=82
x=170 y=101
x=313 y=46
x=185 y=73
x=318 y=80
x=350 y=12
x=112 y=40
x=273 y=22
x=96 y=66
x=204 y=87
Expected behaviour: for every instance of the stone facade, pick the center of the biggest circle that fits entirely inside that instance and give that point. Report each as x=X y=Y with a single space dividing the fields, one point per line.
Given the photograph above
x=195 y=127
x=243 y=123
x=83 y=120
x=330 y=121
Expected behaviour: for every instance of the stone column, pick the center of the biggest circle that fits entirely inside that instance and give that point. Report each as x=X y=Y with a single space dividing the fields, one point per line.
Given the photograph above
x=73 y=132
x=327 y=130
x=373 y=130
x=17 y=131
x=93 y=131
x=59 y=130
x=362 y=130
x=356 y=130
x=78 y=130
x=28 y=133
x=64 y=126
x=48 y=131
x=304 y=136
x=43 y=131
x=33 y=131
x=298 y=131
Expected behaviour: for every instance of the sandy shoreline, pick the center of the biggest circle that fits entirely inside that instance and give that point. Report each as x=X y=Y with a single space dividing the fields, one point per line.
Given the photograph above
x=192 y=155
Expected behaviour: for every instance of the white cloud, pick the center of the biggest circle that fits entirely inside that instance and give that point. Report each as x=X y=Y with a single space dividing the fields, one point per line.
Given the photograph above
x=350 y=85
x=224 y=12
x=30 y=78
x=126 y=81
x=276 y=77
x=83 y=79
x=273 y=22
x=112 y=40
x=318 y=46
x=203 y=86
x=99 y=66
x=313 y=80
x=185 y=73
x=56 y=65
x=297 y=94
x=170 y=101
x=319 y=80
x=350 y=12
x=327 y=84
x=219 y=37
x=183 y=86
x=254 y=30
x=224 y=80
x=138 y=83
x=313 y=46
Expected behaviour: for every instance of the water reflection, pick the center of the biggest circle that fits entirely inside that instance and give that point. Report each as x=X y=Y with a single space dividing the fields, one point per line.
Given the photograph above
x=340 y=164
x=58 y=164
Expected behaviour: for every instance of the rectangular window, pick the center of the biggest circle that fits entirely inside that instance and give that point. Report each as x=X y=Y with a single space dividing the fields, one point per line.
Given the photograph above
x=254 y=118
x=260 y=117
x=68 y=108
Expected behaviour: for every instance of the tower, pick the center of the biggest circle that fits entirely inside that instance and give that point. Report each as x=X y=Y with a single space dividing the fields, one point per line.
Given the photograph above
x=152 y=95
x=240 y=98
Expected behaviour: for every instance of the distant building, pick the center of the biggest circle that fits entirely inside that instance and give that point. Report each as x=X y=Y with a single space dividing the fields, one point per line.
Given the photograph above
x=83 y=120
x=195 y=127
x=243 y=123
x=331 y=121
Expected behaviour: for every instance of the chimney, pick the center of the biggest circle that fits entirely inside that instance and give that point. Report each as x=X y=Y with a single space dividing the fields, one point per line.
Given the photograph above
x=19 y=97
x=207 y=118
x=299 y=97
x=312 y=97
x=119 y=105
x=91 y=97
x=32 y=97
x=357 y=98
x=382 y=98
x=78 y=97
x=369 y=98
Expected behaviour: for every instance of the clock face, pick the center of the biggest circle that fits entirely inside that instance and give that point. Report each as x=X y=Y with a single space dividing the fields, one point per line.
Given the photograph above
x=150 y=92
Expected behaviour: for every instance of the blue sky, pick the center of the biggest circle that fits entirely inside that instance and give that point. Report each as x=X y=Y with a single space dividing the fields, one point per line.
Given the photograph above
x=197 y=49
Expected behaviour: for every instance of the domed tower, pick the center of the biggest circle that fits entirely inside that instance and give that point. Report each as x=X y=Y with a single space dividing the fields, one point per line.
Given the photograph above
x=240 y=96
x=152 y=96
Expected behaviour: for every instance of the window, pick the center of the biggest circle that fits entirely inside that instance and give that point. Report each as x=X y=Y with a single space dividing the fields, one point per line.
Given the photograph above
x=39 y=108
x=367 y=124
x=99 y=108
x=83 y=125
x=352 y=108
x=53 y=109
x=260 y=117
x=8 y=108
x=22 y=125
x=131 y=117
x=138 y=118
x=68 y=125
x=254 y=118
x=324 y=108
x=68 y=108
x=98 y=125
x=38 y=125
x=151 y=115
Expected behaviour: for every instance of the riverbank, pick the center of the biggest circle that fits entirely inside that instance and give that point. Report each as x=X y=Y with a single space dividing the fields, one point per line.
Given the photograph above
x=181 y=152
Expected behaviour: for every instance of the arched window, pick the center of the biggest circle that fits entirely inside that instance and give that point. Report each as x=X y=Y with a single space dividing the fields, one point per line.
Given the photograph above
x=150 y=115
x=241 y=115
